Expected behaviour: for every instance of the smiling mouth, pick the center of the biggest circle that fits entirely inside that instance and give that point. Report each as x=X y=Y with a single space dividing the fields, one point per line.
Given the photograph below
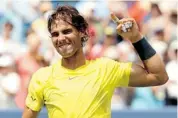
x=60 y=45
x=64 y=45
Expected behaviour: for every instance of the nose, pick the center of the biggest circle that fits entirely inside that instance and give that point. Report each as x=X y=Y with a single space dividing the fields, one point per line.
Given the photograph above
x=61 y=37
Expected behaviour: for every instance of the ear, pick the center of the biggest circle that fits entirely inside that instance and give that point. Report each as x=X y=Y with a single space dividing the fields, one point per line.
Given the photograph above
x=81 y=34
x=83 y=38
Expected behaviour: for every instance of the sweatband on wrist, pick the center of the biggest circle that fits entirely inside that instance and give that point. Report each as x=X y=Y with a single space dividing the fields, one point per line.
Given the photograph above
x=144 y=49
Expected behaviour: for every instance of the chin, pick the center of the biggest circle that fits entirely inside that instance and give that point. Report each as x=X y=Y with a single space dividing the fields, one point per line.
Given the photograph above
x=68 y=55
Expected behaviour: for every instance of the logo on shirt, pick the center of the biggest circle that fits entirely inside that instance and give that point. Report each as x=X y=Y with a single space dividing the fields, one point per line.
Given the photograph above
x=33 y=99
x=71 y=78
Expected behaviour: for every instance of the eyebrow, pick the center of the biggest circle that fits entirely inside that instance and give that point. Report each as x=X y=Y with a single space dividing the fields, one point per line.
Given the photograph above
x=65 y=29
x=52 y=33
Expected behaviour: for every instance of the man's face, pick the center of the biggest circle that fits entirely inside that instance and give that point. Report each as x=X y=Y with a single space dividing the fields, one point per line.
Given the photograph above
x=66 y=38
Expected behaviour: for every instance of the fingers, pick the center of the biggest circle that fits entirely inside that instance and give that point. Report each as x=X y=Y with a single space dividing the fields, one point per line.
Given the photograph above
x=114 y=18
x=124 y=25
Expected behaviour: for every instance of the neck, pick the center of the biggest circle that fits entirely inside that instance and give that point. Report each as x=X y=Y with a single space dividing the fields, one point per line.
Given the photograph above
x=75 y=61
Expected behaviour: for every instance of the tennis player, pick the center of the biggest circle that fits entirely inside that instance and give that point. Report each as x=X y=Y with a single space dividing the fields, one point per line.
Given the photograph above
x=78 y=88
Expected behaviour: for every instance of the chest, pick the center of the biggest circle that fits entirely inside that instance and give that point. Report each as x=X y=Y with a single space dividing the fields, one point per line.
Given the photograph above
x=75 y=88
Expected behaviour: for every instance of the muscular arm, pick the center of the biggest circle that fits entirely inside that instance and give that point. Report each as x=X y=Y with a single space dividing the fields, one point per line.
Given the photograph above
x=152 y=74
x=28 y=113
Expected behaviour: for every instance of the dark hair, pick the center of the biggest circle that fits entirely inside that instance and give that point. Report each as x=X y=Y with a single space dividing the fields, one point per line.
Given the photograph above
x=70 y=15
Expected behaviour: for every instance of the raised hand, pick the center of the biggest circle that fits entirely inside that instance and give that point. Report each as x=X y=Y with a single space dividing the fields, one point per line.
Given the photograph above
x=127 y=28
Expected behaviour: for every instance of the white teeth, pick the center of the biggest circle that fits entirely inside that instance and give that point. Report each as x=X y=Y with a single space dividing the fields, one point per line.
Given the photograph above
x=64 y=44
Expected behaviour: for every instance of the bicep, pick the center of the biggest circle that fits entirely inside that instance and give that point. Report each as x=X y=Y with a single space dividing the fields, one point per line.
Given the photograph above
x=28 y=113
x=140 y=77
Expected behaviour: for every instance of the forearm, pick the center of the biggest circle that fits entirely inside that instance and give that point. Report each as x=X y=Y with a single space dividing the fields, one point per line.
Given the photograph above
x=155 y=66
x=152 y=62
x=153 y=73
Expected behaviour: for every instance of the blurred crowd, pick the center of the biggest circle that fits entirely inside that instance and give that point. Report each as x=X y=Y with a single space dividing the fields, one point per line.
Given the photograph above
x=25 y=46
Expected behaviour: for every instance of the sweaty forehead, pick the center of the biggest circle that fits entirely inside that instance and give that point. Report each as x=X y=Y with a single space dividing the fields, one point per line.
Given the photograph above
x=60 y=24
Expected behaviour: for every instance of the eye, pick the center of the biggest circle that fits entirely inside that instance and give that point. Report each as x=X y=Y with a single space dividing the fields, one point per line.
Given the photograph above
x=54 y=34
x=67 y=31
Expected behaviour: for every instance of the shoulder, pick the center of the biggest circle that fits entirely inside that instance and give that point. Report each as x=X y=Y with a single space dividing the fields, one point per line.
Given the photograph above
x=44 y=71
x=42 y=74
x=105 y=61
